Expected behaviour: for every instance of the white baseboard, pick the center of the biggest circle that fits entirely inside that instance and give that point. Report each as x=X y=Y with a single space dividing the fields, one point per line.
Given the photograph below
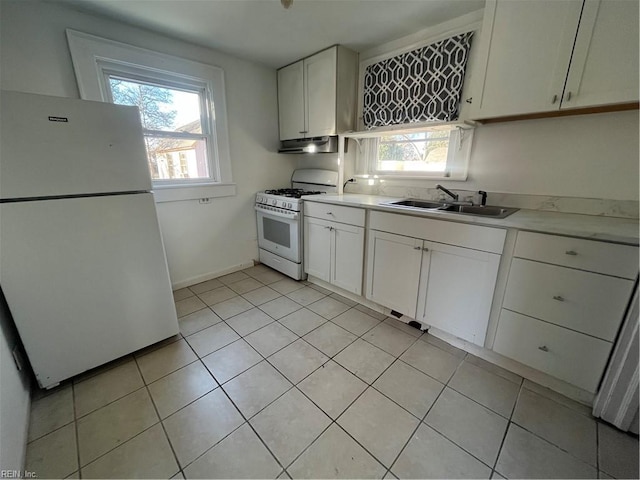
x=209 y=276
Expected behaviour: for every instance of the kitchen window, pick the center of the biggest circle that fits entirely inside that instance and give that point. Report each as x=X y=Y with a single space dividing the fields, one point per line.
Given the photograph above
x=434 y=152
x=182 y=107
x=176 y=126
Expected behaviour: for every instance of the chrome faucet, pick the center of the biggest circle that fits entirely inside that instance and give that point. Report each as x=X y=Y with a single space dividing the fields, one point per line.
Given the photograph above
x=448 y=192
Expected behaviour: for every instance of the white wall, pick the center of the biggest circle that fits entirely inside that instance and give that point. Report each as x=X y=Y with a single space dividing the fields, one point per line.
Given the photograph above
x=594 y=156
x=201 y=240
x=14 y=398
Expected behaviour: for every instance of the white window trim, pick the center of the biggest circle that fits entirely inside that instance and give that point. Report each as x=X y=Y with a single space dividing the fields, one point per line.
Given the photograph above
x=93 y=57
x=457 y=158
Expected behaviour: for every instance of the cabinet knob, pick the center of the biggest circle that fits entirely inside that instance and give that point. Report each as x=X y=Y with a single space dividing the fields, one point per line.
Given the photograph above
x=544 y=348
x=417 y=248
x=568 y=97
x=558 y=298
x=554 y=99
x=571 y=252
x=329 y=228
x=425 y=249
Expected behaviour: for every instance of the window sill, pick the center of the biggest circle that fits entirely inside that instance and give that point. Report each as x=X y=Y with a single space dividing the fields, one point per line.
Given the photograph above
x=405 y=176
x=178 y=193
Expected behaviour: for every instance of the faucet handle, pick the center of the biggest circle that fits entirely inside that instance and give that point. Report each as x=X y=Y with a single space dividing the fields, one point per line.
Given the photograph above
x=484 y=197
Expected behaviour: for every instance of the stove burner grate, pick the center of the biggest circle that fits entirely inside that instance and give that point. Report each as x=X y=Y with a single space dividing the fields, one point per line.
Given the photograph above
x=291 y=192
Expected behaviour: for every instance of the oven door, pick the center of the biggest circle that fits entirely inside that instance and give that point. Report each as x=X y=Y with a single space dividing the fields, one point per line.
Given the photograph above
x=279 y=232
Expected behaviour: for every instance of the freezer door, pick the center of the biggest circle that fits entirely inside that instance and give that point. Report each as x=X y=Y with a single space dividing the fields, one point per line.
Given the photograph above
x=86 y=280
x=54 y=146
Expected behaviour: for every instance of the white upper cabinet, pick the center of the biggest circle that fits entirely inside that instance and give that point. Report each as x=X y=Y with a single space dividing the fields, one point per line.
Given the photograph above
x=320 y=90
x=604 y=66
x=543 y=56
x=528 y=44
x=291 y=101
x=316 y=96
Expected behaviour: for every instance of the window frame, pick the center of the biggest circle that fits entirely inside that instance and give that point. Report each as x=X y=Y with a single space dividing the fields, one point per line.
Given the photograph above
x=95 y=58
x=461 y=140
x=193 y=85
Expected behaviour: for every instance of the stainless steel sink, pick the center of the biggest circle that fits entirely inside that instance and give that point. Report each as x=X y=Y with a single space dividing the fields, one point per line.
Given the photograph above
x=476 y=210
x=416 y=204
x=484 y=211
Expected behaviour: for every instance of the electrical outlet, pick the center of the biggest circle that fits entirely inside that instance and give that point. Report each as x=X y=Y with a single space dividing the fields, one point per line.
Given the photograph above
x=203 y=201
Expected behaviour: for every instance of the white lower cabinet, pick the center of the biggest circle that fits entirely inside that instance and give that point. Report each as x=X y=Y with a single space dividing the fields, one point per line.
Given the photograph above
x=347 y=257
x=334 y=252
x=449 y=287
x=317 y=248
x=565 y=354
x=456 y=290
x=564 y=302
x=393 y=271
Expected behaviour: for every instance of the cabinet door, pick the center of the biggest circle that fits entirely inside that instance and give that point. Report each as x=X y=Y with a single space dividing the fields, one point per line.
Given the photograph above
x=604 y=66
x=456 y=290
x=528 y=45
x=317 y=248
x=291 y=101
x=347 y=257
x=320 y=93
x=393 y=271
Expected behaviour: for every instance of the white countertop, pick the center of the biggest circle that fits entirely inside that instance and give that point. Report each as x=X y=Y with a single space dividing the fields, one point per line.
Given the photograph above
x=610 y=229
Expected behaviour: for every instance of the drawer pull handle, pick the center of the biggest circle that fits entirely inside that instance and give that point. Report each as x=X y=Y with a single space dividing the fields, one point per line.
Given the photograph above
x=417 y=248
x=425 y=249
x=544 y=348
x=559 y=298
x=329 y=213
x=571 y=252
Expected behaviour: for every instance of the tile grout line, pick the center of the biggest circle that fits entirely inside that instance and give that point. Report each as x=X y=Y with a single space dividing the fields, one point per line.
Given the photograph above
x=155 y=407
x=421 y=421
x=75 y=426
x=506 y=431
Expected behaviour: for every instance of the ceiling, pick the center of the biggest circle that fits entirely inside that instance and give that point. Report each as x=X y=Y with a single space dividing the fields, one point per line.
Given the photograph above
x=263 y=31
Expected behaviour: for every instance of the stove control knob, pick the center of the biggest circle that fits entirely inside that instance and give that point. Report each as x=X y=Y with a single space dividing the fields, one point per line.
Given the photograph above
x=290 y=206
x=259 y=200
x=274 y=202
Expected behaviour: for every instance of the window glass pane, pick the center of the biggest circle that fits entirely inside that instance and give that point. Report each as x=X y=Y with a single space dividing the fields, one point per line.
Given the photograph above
x=171 y=158
x=414 y=152
x=161 y=108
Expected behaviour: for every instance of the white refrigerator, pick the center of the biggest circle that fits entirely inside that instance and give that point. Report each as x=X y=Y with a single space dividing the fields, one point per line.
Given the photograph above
x=82 y=264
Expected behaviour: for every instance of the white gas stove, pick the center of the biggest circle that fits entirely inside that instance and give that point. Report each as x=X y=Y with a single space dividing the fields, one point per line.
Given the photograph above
x=279 y=214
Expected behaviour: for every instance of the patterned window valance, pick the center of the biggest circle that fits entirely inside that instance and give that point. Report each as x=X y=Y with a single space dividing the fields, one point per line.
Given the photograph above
x=421 y=85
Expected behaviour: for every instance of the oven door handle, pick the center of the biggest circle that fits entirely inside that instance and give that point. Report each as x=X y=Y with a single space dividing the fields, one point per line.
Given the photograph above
x=277 y=213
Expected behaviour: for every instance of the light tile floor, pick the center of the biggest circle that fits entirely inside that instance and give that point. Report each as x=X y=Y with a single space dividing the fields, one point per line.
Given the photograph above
x=271 y=378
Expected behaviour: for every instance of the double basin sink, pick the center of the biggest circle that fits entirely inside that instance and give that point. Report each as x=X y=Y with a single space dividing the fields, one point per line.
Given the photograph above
x=475 y=210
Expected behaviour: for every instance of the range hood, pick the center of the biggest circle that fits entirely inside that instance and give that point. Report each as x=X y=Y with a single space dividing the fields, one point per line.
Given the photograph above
x=310 y=145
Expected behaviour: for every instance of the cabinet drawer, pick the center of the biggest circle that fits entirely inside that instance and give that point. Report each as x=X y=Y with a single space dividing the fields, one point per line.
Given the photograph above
x=487 y=239
x=587 y=302
x=600 y=257
x=564 y=354
x=335 y=213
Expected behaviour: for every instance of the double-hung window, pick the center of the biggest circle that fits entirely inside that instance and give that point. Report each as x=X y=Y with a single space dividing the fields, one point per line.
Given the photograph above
x=176 y=125
x=182 y=111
